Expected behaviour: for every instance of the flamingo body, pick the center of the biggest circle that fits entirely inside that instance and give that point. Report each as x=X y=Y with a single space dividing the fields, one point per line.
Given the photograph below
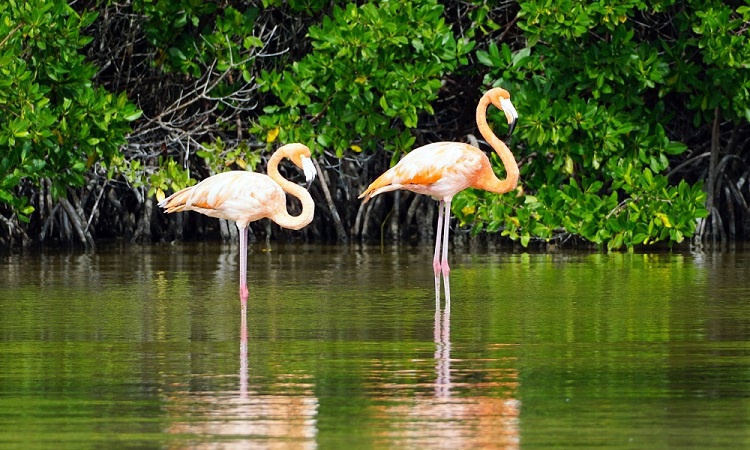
x=439 y=170
x=242 y=197
x=245 y=197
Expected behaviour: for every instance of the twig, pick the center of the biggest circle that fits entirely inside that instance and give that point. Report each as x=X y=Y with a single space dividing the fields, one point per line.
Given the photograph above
x=340 y=231
x=12 y=32
x=96 y=204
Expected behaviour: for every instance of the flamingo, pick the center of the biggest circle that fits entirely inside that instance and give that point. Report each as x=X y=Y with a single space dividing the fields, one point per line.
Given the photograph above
x=245 y=197
x=443 y=169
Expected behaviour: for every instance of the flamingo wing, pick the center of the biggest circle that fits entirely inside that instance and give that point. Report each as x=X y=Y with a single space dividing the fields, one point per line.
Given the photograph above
x=240 y=196
x=439 y=170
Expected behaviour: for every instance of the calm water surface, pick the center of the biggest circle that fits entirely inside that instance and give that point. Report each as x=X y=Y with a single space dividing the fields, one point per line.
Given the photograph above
x=344 y=348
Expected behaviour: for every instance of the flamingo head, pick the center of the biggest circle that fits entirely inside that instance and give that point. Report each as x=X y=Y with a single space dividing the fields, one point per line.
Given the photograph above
x=301 y=157
x=501 y=99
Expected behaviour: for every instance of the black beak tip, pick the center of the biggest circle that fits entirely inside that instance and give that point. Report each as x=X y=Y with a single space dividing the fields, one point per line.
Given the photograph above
x=511 y=128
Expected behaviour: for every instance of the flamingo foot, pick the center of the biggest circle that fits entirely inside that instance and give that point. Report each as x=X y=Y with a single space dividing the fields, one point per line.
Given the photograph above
x=243 y=296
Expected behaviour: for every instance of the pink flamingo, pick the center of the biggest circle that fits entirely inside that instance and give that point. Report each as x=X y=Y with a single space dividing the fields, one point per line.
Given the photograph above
x=443 y=169
x=245 y=197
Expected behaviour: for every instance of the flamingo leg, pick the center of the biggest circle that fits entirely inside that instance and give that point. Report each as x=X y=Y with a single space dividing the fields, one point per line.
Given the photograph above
x=444 y=264
x=436 y=260
x=446 y=227
x=243 y=267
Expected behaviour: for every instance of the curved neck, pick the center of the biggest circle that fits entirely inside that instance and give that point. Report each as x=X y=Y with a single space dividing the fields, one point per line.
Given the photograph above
x=282 y=217
x=509 y=161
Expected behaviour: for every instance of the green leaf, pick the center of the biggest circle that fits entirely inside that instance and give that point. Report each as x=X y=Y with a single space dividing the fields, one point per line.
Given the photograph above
x=133 y=115
x=324 y=140
x=484 y=58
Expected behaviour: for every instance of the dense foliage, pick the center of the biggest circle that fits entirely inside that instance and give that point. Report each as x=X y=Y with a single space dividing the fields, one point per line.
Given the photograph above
x=369 y=65
x=633 y=115
x=54 y=124
x=593 y=95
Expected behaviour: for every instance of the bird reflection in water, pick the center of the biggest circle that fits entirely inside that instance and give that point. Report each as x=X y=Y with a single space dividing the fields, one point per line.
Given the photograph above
x=442 y=336
x=449 y=411
x=243 y=354
x=246 y=419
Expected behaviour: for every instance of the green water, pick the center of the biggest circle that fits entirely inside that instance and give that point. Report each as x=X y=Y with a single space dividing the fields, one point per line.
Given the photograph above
x=139 y=347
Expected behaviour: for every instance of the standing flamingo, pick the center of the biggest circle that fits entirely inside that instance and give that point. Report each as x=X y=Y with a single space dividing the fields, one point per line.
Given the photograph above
x=443 y=169
x=245 y=197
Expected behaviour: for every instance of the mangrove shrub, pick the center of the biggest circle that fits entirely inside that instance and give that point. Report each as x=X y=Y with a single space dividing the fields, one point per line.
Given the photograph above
x=633 y=115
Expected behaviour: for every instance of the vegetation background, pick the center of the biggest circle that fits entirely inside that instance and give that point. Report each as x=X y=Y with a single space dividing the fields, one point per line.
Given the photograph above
x=634 y=115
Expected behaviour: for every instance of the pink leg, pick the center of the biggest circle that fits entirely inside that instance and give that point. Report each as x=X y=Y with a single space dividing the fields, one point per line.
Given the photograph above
x=444 y=265
x=243 y=266
x=446 y=228
x=436 y=259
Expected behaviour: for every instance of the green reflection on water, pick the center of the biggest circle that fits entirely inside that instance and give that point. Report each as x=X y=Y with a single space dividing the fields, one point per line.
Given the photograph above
x=141 y=347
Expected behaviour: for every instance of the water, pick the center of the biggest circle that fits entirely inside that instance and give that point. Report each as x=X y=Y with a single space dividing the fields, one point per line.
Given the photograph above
x=344 y=348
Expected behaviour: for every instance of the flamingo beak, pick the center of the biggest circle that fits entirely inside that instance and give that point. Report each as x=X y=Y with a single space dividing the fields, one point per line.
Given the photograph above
x=510 y=114
x=309 y=168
